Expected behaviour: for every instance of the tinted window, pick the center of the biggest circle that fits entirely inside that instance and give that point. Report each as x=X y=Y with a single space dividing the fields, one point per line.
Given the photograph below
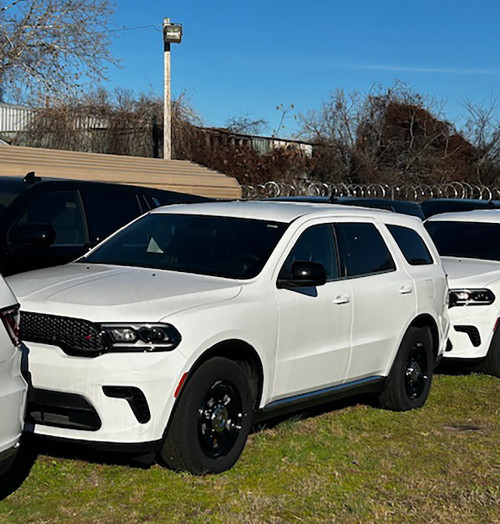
x=411 y=244
x=113 y=209
x=363 y=250
x=466 y=239
x=314 y=245
x=63 y=211
x=220 y=246
x=7 y=196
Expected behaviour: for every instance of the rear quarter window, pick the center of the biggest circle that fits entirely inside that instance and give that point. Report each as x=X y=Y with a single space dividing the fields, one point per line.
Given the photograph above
x=362 y=249
x=411 y=245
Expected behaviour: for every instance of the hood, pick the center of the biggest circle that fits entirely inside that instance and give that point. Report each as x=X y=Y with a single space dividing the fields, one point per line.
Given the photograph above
x=468 y=272
x=102 y=293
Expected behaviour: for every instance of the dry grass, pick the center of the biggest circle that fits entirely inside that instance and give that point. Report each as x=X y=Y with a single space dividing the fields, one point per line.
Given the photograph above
x=350 y=463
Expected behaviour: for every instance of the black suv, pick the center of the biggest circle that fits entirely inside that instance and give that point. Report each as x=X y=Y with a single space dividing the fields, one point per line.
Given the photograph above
x=47 y=222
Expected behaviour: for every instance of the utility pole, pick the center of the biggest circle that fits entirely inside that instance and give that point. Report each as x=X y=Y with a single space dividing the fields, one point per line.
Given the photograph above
x=172 y=34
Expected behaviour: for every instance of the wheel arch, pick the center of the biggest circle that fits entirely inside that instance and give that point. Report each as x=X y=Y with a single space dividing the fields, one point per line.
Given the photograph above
x=427 y=321
x=244 y=355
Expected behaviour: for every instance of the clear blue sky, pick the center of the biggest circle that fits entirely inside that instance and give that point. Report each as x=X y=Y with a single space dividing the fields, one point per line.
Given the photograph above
x=247 y=57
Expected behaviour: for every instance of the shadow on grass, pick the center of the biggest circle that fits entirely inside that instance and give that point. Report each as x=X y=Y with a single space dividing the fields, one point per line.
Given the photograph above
x=311 y=412
x=456 y=368
x=76 y=451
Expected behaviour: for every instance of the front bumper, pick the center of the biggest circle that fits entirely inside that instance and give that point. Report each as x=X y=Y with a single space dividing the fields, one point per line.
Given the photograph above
x=471 y=331
x=113 y=399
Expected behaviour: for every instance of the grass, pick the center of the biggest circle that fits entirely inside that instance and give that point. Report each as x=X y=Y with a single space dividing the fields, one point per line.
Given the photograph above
x=349 y=463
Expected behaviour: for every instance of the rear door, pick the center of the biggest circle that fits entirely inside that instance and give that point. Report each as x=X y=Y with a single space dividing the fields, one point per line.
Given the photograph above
x=383 y=297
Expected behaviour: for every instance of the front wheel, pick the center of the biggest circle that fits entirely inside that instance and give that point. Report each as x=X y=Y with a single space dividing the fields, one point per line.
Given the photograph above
x=211 y=420
x=409 y=381
x=491 y=365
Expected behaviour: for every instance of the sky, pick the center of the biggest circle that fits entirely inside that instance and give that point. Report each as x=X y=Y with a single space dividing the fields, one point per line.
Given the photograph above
x=246 y=58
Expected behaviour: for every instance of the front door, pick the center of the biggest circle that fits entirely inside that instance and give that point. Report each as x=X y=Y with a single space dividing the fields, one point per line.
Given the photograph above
x=314 y=330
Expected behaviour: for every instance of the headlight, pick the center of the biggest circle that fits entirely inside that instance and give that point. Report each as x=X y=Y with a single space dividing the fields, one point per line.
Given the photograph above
x=140 y=337
x=471 y=297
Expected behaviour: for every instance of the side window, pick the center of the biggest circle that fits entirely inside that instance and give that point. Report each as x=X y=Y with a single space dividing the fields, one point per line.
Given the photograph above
x=112 y=210
x=63 y=211
x=363 y=250
x=411 y=244
x=316 y=244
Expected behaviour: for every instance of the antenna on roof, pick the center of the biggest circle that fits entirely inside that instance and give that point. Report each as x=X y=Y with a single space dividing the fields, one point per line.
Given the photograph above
x=31 y=178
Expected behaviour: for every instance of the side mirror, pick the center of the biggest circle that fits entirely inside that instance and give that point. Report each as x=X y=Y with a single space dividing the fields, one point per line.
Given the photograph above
x=304 y=274
x=33 y=235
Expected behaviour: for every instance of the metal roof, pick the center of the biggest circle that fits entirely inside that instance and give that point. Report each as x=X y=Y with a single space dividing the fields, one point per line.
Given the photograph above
x=175 y=175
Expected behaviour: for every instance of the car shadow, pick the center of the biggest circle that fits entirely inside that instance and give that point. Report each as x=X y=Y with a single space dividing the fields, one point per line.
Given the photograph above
x=76 y=451
x=311 y=412
x=450 y=367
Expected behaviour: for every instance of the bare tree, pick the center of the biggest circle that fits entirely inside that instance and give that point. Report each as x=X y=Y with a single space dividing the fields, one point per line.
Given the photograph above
x=52 y=46
x=246 y=124
x=483 y=130
x=390 y=135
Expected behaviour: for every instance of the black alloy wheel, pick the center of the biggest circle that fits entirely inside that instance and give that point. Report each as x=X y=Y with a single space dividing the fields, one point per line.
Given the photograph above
x=409 y=381
x=211 y=419
x=416 y=374
x=220 y=419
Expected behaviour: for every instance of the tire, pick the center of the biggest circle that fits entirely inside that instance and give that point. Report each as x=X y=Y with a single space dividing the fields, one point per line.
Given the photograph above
x=211 y=421
x=491 y=365
x=409 y=381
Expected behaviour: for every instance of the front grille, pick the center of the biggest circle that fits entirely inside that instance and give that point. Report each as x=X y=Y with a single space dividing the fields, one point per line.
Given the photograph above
x=473 y=333
x=74 y=336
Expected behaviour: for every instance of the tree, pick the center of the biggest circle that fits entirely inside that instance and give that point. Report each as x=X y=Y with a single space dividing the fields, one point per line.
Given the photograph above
x=483 y=130
x=52 y=47
x=245 y=124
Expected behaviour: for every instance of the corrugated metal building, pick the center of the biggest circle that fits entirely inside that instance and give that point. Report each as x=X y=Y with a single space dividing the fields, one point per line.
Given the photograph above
x=14 y=119
x=175 y=175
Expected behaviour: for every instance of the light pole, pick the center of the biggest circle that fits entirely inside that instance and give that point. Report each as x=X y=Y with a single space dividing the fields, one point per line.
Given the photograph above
x=172 y=34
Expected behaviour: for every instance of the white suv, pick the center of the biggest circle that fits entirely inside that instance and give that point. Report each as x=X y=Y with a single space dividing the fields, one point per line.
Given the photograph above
x=12 y=385
x=195 y=320
x=469 y=242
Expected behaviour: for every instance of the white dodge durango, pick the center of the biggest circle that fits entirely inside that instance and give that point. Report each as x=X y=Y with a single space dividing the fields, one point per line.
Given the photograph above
x=12 y=384
x=469 y=242
x=193 y=321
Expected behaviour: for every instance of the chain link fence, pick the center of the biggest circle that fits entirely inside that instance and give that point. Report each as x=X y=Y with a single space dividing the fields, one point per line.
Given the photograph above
x=411 y=192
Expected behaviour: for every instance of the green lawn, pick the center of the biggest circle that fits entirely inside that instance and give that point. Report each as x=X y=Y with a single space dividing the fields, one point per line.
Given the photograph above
x=351 y=463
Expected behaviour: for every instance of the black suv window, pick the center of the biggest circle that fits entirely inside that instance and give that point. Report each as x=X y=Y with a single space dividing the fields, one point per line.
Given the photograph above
x=316 y=244
x=363 y=250
x=411 y=244
x=112 y=209
x=466 y=239
x=63 y=211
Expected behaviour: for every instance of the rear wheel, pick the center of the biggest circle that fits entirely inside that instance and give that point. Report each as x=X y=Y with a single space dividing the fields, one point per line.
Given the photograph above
x=409 y=381
x=211 y=420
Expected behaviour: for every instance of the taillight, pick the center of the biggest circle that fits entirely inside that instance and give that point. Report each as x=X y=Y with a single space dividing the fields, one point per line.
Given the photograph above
x=10 y=319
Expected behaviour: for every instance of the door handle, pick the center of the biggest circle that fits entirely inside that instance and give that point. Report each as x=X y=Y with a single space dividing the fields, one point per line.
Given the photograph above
x=342 y=299
x=406 y=290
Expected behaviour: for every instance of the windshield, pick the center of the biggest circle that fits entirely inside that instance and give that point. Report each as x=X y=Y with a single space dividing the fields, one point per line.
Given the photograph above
x=466 y=239
x=208 y=245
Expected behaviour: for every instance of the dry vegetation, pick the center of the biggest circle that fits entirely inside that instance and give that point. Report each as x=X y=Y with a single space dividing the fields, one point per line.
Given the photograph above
x=389 y=136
